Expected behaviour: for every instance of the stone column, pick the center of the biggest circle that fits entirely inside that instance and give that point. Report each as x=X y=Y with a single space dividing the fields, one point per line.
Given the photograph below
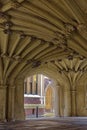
x=19 y=100
x=61 y=101
x=73 y=102
x=56 y=102
x=3 y=89
x=67 y=102
x=10 y=109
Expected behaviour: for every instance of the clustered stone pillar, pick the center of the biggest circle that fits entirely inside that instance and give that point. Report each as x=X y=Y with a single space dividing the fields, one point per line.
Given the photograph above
x=67 y=102
x=10 y=102
x=56 y=102
x=19 y=100
x=73 y=102
x=3 y=89
x=62 y=104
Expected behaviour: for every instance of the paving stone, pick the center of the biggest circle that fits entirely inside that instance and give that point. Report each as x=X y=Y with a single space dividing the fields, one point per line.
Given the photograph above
x=47 y=124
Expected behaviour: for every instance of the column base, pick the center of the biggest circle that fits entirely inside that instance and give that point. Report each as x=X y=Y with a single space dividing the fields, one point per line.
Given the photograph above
x=1 y=120
x=10 y=120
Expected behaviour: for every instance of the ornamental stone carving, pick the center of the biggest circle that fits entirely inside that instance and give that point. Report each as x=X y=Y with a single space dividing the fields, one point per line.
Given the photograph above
x=60 y=38
x=7 y=26
x=3 y=17
x=14 y=4
x=82 y=28
x=69 y=29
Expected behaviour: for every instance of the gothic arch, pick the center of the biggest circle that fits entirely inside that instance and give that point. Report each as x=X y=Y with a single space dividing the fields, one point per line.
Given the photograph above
x=49 y=98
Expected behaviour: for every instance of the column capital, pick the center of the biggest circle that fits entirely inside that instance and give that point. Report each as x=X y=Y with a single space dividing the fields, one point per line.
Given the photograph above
x=12 y=87
x=73 y=90
x=65 y=90
x=3 y=86
x=11 y=83
x=19 y=81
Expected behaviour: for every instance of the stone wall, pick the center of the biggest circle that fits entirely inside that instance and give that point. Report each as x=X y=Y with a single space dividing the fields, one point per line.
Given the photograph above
x=81 y=101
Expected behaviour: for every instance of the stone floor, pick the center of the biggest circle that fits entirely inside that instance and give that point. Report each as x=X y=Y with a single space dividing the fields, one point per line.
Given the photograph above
x=47 y=124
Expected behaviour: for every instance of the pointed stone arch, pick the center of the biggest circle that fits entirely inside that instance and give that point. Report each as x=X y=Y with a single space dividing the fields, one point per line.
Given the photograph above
x=49 y=98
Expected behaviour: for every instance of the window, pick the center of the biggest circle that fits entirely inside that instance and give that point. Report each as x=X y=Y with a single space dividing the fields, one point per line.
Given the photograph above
x=25 y=87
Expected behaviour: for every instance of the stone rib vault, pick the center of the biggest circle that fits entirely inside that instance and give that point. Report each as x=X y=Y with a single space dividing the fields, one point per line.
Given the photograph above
x=41 y=36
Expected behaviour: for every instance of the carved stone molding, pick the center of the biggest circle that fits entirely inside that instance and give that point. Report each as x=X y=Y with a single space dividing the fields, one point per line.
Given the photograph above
x=36 y=64
x=3 y=86
x=4 y=17
x=22 y=35
x=7 y=26
x=19 y=82
x=60 y=38
x=11 y=83
x=17 y=58
x=82 y=28
x=8 y=31
x=69 y=29
x=14 y=4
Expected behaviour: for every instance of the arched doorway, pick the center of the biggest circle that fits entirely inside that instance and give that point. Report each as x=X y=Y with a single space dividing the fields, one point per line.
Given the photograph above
x=34 y=101
x=49 y=99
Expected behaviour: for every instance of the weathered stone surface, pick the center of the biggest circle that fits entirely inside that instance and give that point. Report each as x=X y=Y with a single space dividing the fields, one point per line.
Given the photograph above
x=47 y=124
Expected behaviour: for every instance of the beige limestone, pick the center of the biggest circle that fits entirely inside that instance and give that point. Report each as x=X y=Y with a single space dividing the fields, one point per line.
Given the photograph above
x=19 y=100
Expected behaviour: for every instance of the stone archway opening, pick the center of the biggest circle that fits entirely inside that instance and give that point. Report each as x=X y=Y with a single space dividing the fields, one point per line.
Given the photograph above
x=38 y=97
x=49 y=101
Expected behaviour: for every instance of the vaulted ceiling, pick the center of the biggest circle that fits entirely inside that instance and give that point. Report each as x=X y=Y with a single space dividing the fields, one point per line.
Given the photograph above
x=43 y=35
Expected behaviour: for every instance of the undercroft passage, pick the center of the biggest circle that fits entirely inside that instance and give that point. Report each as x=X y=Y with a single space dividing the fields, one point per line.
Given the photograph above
x=43 y=64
